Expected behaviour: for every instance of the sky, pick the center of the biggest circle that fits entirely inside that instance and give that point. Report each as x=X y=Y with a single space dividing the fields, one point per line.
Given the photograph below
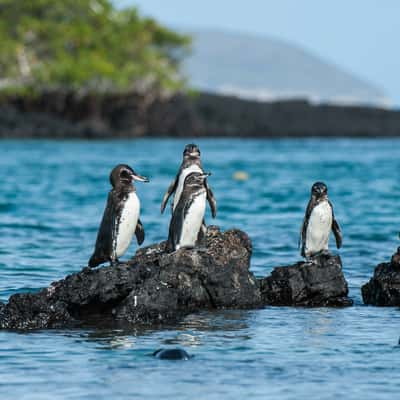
x=362 y=36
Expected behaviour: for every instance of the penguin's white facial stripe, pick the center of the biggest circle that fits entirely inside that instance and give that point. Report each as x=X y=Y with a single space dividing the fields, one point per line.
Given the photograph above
x=181 y=181
x=127 y=224
x=319 y=228
x=125 y=175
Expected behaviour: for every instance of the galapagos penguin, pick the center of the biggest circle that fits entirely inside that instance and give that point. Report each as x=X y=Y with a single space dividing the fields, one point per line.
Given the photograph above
x=191 y=163
x=120 y=219
x=318 y=223
x=188 y=215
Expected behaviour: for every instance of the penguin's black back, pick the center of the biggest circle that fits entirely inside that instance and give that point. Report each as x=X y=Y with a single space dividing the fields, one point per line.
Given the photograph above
x=186 y=199
x=106 y=236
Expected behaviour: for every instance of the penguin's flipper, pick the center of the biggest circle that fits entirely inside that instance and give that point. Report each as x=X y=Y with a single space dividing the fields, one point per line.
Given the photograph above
x=106 y=234
x=336 y=229
x=176 y=224
x=171 y=241
x=95 y=261
x=171 y=189
x=338 y=233
x=139 y=232
x=303 y=233
x=211 y=200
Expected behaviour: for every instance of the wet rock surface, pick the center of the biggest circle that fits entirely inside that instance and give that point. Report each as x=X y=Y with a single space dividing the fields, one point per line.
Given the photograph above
x=317 y=284
x=156 y=287
x=383 y=289
x=153 y=287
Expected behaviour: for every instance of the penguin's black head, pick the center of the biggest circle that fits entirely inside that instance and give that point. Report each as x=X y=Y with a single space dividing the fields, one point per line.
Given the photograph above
x=191 y=151
x=123 y=175
x=319 y=189
x=196 y=178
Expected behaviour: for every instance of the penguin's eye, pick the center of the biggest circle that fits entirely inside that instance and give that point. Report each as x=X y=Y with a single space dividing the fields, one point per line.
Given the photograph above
x=125 y=175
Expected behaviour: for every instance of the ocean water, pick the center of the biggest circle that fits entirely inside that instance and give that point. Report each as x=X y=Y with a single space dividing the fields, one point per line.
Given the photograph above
x=51 y=202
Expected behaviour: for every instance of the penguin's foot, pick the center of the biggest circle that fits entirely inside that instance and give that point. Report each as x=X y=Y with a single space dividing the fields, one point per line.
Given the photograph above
x=114 y=263
x=201 y=248
x=188 y=247
x=322 y=254
x=311 y=261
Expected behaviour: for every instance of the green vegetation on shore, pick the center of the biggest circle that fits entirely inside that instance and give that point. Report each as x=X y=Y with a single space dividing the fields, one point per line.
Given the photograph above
x=86 y=45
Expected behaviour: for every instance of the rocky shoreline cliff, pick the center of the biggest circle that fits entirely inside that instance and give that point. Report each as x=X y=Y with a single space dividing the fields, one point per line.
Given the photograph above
x=103 y=116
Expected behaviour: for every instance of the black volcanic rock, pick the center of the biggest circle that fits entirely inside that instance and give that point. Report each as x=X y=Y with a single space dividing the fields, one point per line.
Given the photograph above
x=158 y=287
x=316 y=284
x=383 y=289
x=153 y=287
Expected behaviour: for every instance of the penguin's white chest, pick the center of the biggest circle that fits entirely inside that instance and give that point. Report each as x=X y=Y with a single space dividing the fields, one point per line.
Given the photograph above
x=319 y=228
x=192 y=222
x=127 y=223
x=181 y=181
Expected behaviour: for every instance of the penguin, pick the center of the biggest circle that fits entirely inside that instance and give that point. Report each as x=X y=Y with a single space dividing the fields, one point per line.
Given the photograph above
x=120 y=219
x=191 y=163
x=318 y=222
x=188 y=215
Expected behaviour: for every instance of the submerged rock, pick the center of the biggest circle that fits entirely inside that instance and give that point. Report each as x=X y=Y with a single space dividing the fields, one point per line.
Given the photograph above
x=383 y=289
x=316 y=284
x=153 y=287
x=171 y=354
x=158 y=287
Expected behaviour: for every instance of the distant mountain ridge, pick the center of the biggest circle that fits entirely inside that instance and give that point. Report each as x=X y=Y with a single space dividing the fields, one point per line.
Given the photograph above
x=266 y=68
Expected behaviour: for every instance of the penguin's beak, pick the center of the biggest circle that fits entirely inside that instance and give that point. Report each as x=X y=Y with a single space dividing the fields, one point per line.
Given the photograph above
x=139 y=178
x=206 y=174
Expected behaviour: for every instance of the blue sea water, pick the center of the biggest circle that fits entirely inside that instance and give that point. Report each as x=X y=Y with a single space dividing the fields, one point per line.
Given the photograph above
x=51 y=201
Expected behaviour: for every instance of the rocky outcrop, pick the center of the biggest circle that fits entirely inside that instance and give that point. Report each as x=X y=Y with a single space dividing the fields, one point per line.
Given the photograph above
x=154 y=287
x=383 y=289
x=105 y=115
x=312 y=284
x=159 y=287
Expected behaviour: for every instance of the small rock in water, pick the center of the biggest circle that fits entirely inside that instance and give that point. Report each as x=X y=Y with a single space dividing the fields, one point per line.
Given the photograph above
x=383 y=289
x=171 y=354
x=320 y=283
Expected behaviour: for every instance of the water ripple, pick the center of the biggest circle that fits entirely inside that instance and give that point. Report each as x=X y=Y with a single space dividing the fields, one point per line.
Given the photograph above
x=52 y=199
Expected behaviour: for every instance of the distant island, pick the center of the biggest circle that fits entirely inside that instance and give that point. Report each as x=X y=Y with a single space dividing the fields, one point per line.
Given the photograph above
x=266 y=68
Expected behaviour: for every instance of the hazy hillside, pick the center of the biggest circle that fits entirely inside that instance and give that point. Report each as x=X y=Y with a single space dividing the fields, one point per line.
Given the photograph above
x=267 y=68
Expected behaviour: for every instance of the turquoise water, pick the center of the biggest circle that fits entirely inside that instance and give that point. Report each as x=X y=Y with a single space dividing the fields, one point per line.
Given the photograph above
x=51 y=201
